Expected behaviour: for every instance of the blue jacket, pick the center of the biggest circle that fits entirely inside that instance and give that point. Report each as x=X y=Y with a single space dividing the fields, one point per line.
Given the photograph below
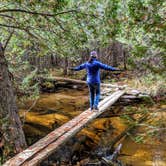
x=93 y=70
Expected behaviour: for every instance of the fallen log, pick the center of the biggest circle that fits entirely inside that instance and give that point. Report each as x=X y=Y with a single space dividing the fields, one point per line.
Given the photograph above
x=74 y=81
x=132 y=92
x=129 y=97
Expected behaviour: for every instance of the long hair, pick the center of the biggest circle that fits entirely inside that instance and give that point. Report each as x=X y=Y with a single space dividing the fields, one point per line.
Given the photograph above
x=90 y=59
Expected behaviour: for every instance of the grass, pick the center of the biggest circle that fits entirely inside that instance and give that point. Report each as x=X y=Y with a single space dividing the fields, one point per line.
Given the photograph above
x=153 y=84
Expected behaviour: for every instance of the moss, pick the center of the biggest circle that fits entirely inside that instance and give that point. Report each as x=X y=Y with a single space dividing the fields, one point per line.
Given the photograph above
x=146 y=99
x=48 y=85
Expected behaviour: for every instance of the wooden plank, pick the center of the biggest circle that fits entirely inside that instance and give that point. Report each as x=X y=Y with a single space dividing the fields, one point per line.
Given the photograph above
x=42 y=143
x=64 y=138
x=51 y=137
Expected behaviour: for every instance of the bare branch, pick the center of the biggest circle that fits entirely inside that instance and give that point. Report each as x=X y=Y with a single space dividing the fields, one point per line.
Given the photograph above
x=58 y=22
x=7 y=16
x=60 y=25
x=36 y=13
x=20 y=28
x=8 y=39
x=11 y=26
x=25 y=112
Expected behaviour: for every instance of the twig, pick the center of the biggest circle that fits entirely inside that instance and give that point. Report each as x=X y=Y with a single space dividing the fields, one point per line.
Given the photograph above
x=124 y=133
x=8 y=39
x=57 y=21
x=60 y=25
x=24 y=115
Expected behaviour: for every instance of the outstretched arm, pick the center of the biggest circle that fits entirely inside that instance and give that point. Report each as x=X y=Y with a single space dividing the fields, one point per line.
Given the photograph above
x=81 y=67
x=106 y=67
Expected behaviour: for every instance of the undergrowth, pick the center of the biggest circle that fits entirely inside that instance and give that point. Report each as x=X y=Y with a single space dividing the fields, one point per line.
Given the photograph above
x=153 y=84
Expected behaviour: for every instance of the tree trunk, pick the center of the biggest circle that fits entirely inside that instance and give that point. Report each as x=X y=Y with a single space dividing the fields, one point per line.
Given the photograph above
x=125 y=60
x=10 y=124
x=65 y=66
x=115 y=58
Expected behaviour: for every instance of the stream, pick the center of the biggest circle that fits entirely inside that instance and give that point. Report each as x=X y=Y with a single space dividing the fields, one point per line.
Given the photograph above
x=54 y=109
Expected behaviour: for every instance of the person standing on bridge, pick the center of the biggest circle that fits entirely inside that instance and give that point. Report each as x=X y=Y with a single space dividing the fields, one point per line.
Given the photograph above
x=93 y=67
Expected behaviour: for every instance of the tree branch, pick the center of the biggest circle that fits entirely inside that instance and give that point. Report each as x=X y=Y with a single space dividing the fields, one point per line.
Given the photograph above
x=36 y=13
x=11 y=26
x=7 y=16
x=58 y=22
x=8 y=39
x=20 y=28
x=60 y=25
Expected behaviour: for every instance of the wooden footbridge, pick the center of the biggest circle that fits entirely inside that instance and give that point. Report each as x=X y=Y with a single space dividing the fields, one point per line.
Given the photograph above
x=39 y=151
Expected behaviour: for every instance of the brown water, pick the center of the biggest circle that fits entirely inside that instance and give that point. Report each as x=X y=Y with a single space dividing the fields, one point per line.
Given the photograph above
x=53 y=110
x=144 y=154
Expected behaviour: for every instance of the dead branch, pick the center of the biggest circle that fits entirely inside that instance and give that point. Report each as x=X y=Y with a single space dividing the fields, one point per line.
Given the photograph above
x=124 y=133
x=36 y=13
x=8 y=39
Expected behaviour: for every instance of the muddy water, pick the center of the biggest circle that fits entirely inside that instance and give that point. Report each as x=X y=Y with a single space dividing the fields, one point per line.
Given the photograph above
x=53 y=110
x=152 y=151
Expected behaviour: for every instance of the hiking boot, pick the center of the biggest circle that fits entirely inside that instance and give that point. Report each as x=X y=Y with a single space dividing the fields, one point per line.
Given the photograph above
x=96 y=108
x=91 y=109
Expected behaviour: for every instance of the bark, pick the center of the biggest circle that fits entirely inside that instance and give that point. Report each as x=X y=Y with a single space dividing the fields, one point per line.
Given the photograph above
x=115 y=58
x=125 y=60
x=10 y=124
x=65 y=66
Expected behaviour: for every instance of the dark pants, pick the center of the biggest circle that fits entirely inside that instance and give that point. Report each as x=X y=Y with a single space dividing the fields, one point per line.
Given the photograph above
x=94 y=90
